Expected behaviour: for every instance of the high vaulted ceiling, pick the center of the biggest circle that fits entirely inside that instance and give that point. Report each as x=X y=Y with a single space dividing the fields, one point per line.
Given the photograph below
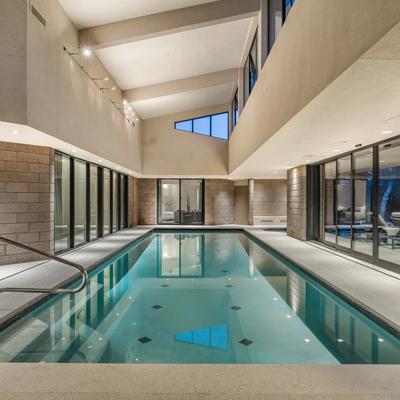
x=174 y=43
x=88 y=13
x=176 y=56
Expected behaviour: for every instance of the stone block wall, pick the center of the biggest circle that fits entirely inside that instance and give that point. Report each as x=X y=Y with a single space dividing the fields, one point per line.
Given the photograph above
x=147 y=201
x=219 y=202
x=26 y=200
x=297 y=202
x=270 y=197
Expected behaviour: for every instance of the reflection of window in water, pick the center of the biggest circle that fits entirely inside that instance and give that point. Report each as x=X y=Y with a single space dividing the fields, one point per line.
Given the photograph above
x=180 y=255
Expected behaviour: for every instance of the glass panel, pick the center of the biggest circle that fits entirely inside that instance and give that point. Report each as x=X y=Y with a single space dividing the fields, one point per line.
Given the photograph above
x=363 y=201
x=389 y=202
x=106 y=202
x=122 y=202
x=344 y=199
x=253 y=65
x=62 y=202
x=219 y=126
x=202 y=126
x=184 y=125
x=275 y=20
x=192 y=201
x=329 y=202
x=246 y=81
x=80 y=202
x=168 y=201
x=115 y=201
x=288 y=6
x=235 y=109
x=93 y=202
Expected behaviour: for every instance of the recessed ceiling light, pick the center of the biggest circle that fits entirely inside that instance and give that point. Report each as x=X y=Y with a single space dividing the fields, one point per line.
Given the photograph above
x=308 y=160
x=137 y=119
x=106 y=78
x=340 y=340
x=15 y=132
x=117 y=168
x=124 y=102
x=307 y=340
x=100 y=161
x=114 y=88
x=336 y=150
x=87 y=52
x=381 y=340
x=74 y=150
x=386 y=132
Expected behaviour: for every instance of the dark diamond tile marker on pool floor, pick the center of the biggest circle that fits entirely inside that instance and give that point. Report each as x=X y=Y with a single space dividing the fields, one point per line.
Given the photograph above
x=245 y=342
x=164 y=285
x=224 y=271
x=228 y=286
x=236 y=308
x=156 y=307
x=144 y=340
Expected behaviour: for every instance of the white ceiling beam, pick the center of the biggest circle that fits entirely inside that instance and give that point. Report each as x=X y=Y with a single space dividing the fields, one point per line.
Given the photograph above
x=181 y=85
x=179 y=20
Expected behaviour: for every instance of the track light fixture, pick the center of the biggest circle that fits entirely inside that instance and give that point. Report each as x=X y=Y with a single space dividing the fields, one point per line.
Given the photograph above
x=88 y=52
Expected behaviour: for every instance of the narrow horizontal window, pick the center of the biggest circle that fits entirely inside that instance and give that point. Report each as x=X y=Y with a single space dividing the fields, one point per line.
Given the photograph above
x=215 y=125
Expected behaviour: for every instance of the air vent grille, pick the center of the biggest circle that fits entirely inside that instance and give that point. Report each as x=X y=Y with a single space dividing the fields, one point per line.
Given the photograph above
x=38 y=16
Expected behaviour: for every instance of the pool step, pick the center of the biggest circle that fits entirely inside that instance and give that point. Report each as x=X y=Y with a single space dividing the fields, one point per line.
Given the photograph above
x=17 y=345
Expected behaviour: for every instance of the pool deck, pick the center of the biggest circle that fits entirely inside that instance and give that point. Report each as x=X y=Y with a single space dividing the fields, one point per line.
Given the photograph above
x=372 y=288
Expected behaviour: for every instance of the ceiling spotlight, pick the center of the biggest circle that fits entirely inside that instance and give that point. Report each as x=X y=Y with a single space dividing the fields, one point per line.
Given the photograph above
x=100 y=161
x=106 y=78
x=118 y=168
x=136 y=119
x=308 y=160
x=15 y=132
x=386 y=132
x=87 y=52
x=336 y=150
x=124 y=102
x=129 y=108
x=74 y=150
x=114 y=88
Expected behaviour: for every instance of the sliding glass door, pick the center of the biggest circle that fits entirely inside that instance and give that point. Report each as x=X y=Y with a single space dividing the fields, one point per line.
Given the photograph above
x=344 y=206
x=363 y=202
x=90 y=202
x=180 y=201
x=359 y=207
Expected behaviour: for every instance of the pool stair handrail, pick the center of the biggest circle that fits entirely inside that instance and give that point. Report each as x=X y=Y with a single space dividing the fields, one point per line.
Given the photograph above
x=56 y=290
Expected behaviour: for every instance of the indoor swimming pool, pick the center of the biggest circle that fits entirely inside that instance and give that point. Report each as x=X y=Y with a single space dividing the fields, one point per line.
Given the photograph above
x=197 y=297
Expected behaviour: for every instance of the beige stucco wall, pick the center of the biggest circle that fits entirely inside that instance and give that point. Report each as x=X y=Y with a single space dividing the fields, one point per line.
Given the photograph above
x=13 y=14
x=64 y=102
x=167 y=151
x=319 y=41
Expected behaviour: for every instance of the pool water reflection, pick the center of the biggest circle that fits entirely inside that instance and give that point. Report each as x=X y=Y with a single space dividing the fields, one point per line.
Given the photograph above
x=198 y=297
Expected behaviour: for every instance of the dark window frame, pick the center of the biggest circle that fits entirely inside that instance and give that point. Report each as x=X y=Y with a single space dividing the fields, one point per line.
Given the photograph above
x=160 y=182
x=209 y=116
x=100 y=201
x=250 y=66
x=374 y=258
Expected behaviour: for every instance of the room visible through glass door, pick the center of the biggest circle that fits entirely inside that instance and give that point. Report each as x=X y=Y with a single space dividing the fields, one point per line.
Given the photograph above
x=180 y=201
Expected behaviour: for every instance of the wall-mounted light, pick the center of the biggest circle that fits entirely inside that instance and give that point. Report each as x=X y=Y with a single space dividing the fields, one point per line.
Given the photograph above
x=88 y=52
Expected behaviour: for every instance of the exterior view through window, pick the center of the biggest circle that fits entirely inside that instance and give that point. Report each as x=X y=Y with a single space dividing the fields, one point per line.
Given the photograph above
x=216 y=125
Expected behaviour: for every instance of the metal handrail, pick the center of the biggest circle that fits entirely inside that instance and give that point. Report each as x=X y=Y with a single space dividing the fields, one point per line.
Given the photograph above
x=55 y=258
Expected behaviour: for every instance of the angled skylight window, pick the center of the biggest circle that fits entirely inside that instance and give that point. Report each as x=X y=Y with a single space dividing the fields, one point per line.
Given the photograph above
x=215 y=125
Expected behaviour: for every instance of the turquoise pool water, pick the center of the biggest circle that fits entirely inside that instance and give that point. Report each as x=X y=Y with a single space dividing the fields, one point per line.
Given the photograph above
x=198 y=297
